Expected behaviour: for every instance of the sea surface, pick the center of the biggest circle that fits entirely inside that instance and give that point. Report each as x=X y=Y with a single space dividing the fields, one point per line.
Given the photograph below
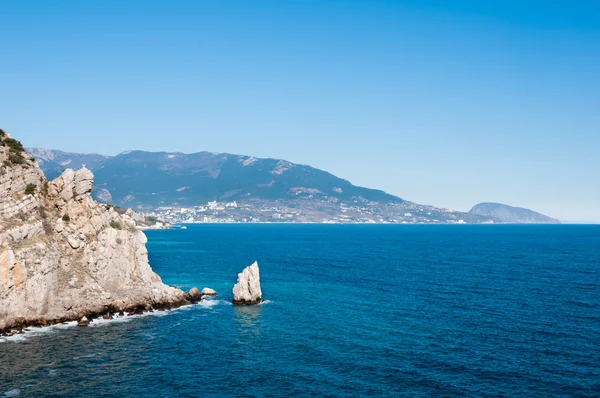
x=358 y=310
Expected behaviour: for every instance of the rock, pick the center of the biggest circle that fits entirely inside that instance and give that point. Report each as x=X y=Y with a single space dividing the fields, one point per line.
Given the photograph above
x=107 y=316
x=194 y=294
x=247 y=289
x=74 y=242
x=83 y=181
x=207 y=291
x=52 y=270
x=139 y=310
x=83 y=322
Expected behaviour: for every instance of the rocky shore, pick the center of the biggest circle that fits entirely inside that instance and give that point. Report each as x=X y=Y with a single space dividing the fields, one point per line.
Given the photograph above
x=106 y=313
x=64 y=256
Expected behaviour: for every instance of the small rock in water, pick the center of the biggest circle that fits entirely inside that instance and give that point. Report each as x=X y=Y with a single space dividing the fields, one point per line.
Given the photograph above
x=207 y=291
x=194 y=294
x=83 y=322
x=247 y=289
x=107 y=316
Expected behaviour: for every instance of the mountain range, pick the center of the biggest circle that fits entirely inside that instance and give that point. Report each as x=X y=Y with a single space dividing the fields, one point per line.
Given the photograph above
x=268 y=189
x=151 y=179
x=254 y=188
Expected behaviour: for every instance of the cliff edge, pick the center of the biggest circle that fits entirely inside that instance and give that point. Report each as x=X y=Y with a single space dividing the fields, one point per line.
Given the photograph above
x=64 y=255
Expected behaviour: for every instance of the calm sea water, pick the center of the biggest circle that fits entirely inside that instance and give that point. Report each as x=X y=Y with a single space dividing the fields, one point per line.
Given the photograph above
x=351 y=311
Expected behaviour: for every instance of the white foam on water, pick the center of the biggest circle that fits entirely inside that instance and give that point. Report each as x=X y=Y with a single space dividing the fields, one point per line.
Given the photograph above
x=64 y=325
x=14 y=339
x=97 y=322
x=264 y=302
x=103 y=322
x=208 y=303
x=13 y=393
x=37 y=331
x=128 y=318
x=86 y=356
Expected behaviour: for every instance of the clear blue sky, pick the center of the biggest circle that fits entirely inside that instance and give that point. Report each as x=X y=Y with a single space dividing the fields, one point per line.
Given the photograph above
x=442 y=102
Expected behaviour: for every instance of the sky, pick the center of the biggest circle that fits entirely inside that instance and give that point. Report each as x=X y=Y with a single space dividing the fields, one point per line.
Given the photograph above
x=446 y=103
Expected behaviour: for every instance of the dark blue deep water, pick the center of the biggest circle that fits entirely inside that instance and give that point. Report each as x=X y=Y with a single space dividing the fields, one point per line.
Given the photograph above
x=352 y=311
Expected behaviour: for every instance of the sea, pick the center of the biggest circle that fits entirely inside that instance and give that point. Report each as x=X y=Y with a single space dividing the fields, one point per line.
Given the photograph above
x=348 y=311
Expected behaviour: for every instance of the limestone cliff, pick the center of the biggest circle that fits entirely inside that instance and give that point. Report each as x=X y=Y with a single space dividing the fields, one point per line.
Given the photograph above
x=63 y=255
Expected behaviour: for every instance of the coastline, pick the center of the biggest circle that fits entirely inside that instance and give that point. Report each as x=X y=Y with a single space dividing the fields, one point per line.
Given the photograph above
x=97 y=313
x=360 y=223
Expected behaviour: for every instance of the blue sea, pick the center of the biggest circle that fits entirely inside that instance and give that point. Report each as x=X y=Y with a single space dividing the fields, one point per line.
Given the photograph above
x=355 y=310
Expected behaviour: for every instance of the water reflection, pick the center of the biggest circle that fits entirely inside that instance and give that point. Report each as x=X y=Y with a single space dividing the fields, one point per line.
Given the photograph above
x=247 y=316
x=248 y=324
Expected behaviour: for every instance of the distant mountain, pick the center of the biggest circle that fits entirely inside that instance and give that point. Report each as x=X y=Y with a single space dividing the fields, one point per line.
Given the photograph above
x=53 y=162
x=160 y=178
x=265 y=188
x=510 y=214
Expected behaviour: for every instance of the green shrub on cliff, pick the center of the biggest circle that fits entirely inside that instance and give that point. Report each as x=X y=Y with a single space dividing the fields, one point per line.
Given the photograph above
x=30 y=189
x=15 y=158
x=14 y=145
x=15 y=152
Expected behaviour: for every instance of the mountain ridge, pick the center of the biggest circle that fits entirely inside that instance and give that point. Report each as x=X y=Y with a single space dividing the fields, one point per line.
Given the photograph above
x=263 y=173
x=250 y=189
x=511 y=214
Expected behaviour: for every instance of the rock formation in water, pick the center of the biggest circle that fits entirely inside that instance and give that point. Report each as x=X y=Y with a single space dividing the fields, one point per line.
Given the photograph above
x=247 y=289
x=207 y=291
x=63 y=255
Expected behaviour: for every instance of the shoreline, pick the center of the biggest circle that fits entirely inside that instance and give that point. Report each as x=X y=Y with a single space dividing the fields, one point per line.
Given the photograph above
x=359 y=223
x=20 y=324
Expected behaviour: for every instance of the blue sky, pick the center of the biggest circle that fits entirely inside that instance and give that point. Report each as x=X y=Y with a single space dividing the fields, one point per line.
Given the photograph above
x=448 y=103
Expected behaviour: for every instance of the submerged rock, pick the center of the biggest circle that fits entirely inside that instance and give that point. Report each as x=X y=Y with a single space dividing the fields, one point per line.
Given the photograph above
x=207 y=291
x=247 y=289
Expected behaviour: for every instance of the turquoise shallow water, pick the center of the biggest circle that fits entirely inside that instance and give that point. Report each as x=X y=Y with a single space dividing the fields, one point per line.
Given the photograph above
x=352 y=311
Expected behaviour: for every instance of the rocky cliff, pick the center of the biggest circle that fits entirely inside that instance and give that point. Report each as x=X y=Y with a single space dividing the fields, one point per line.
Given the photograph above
x=62 y=254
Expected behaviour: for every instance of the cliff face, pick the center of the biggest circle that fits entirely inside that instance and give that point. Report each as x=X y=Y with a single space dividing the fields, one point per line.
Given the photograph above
x=63 y=255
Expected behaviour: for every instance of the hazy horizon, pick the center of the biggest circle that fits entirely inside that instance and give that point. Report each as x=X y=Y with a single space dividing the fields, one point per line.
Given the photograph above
x=442 y=104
